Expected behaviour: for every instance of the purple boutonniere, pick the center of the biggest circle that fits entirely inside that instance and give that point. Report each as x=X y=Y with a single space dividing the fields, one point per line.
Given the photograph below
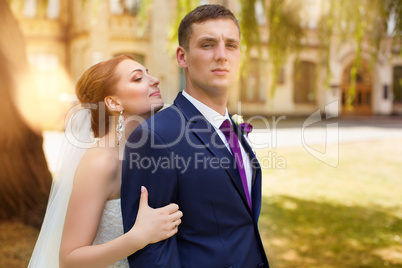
x=245 y=128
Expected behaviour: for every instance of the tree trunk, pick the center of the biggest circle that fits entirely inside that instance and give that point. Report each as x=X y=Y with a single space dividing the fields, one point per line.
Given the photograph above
x=25 y=179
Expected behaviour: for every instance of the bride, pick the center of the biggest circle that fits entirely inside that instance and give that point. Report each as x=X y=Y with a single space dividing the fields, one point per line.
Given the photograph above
x=83 y=223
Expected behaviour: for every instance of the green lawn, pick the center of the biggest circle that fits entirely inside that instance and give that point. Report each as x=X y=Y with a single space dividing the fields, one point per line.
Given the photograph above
x=315 y=215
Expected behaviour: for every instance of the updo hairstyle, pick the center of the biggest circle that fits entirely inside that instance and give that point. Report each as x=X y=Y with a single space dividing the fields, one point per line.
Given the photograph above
x=98 y=82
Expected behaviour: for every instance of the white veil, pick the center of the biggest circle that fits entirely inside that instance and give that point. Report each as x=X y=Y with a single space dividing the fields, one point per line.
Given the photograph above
x=78 y=138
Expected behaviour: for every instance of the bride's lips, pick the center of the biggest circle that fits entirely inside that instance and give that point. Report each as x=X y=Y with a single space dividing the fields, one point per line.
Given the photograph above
x=155 y=93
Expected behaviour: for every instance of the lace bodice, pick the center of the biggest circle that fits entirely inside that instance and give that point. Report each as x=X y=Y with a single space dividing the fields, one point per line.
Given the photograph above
x=110 y=227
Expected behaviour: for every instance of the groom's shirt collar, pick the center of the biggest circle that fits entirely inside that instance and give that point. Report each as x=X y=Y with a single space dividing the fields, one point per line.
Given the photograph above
x=213 y=117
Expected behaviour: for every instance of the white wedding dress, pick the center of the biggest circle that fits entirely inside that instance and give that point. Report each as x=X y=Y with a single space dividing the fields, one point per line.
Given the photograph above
x=78 y=138
x=111 y=227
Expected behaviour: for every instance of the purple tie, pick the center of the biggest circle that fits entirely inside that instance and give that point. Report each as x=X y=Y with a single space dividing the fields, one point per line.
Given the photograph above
x=234 y=144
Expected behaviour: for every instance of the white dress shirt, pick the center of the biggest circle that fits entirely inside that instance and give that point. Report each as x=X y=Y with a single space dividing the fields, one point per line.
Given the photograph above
x=216 y=120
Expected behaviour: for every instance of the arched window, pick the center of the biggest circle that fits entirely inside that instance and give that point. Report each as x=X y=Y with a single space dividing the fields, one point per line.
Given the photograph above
x=304 y=87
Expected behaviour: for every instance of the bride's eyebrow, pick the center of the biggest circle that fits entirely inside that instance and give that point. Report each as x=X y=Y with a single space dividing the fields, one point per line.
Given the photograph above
x=136 y=70
x=139 y=70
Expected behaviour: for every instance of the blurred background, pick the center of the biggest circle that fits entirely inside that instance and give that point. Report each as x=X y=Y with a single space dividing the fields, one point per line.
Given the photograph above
x=342 y=58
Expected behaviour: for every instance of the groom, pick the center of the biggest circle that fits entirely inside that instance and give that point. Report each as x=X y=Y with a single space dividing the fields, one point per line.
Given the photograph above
x=187 y=154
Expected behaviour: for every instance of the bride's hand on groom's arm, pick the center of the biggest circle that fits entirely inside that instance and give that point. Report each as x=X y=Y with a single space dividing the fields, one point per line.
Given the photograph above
x=154 y=225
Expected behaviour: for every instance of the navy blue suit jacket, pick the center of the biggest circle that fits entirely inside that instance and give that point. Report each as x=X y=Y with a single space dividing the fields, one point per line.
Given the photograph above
x=180 y=158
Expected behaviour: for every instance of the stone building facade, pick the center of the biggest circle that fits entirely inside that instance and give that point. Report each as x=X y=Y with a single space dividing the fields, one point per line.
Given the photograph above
x=68 y=36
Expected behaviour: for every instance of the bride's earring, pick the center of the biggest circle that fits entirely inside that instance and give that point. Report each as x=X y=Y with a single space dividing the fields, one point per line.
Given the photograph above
x=120 y=127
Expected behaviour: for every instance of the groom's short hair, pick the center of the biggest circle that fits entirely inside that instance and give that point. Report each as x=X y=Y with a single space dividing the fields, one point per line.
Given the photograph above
x=201 y=14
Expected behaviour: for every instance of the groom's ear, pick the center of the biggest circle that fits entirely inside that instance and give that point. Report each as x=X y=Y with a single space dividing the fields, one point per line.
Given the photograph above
x=113 y=103
x=181 y=57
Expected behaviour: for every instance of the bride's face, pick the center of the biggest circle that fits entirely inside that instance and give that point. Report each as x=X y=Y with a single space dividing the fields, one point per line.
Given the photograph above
x=137 y=90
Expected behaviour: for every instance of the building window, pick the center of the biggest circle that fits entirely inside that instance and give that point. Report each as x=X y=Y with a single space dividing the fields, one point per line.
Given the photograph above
x=53 y=9
x=304 y=87
x=30 y=9
x=121 y=7
x=397 y=84
x=253 y=85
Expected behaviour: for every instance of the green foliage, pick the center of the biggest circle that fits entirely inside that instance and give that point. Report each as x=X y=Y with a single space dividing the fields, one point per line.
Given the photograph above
x=250 y=34
x=143 y=16
x=363 y=23
x=283 y=28
x=394 y=8
x=182 y=8
x=359 y=22
x=285 y=34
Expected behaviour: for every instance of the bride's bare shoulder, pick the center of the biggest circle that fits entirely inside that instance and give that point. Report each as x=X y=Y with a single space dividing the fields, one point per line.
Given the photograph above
x=98 y=162
x=96 y=178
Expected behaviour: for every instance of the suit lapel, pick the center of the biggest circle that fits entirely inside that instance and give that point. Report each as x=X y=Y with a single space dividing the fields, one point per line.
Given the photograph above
x=210 y=139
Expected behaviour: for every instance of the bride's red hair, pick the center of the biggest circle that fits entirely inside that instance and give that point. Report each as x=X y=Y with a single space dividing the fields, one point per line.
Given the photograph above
x=98 y=82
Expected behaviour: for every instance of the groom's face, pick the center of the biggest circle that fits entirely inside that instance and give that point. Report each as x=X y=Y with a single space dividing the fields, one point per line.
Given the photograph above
x=213 y=56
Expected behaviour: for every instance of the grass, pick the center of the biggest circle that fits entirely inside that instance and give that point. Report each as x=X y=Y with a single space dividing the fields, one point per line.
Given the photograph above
x=313 y=215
